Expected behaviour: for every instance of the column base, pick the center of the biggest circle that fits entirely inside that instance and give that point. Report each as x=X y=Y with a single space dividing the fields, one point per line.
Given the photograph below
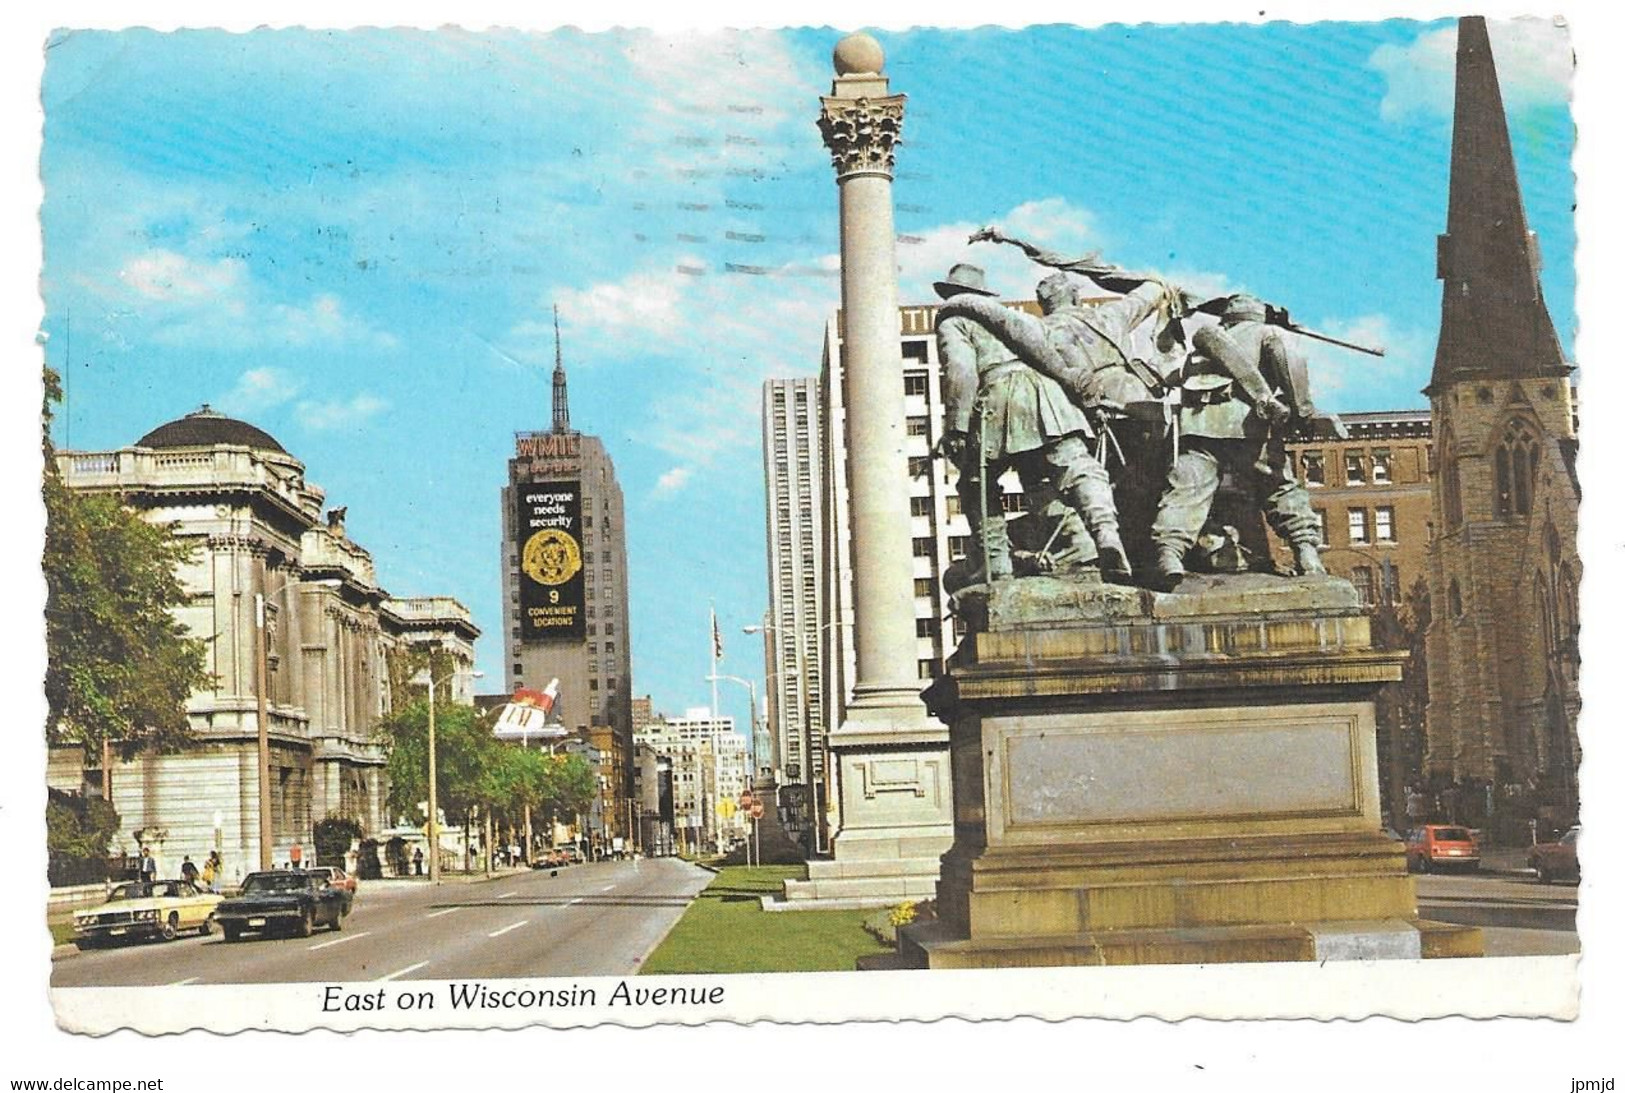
x=893 y=773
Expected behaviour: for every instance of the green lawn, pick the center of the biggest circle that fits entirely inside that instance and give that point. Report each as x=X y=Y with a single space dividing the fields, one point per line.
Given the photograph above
x=726 y=930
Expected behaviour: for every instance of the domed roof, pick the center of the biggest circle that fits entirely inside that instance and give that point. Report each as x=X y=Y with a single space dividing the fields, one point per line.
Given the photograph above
x=204 y=428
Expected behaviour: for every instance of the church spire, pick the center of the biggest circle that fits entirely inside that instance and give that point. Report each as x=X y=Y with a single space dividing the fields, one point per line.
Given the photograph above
x=561 y=394
x=1494 y=323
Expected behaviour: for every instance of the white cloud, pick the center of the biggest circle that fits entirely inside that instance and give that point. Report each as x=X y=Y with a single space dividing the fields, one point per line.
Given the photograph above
x=337 y=414
x=1051 y=223
x=646 y=303
x=750 y=78
x=673 y=481
x=161 y=274
x=259 y=389
x=322 y=321
x=1534 y=61
x=1342 y=379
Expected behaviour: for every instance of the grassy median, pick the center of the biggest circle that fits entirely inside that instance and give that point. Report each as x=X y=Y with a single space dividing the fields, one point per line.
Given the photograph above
x=726 y=930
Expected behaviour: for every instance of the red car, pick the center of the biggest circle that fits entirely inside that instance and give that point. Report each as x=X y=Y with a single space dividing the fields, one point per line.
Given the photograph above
x=1559 y=860
x=1434 y=847
x=337 y=878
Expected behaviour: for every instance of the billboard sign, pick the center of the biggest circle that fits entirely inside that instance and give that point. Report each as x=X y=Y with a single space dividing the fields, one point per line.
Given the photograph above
x=551 y=587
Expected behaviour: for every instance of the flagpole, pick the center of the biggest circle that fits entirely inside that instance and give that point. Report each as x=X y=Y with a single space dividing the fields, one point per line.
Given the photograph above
x=716 y=715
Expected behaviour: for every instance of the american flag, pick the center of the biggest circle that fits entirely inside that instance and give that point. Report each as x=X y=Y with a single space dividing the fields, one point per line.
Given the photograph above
x=716 y=637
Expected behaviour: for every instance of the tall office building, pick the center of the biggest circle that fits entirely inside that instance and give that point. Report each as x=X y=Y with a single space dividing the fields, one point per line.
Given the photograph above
x=790 y=451
x=564 y=580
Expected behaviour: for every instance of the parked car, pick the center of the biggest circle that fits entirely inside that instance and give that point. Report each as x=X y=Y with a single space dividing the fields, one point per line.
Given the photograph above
x=1559 y=860
x=338 y=878
x=297 y=900
x=1433 y=847
x=140 y=909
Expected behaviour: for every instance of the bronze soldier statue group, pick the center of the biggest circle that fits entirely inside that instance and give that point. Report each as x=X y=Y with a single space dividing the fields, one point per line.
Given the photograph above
x=1121 y=458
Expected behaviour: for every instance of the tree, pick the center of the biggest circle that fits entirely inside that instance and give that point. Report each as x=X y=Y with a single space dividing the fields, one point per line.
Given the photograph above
x=119 y=667
x=476 y=771
x=78 y=833
x=461 y=747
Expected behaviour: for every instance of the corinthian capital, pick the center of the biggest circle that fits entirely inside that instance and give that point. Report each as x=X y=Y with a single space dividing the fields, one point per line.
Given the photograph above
x=862 y=134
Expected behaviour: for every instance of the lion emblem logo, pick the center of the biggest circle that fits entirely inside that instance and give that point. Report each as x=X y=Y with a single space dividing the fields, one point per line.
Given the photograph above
x=551 y=557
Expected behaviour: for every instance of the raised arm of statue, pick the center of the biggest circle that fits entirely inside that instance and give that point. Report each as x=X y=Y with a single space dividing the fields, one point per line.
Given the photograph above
x=1121 y=317
x=1091 y=265
x=1088 y=264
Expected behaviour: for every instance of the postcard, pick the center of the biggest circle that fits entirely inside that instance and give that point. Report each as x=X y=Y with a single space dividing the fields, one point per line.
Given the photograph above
x=563 y=528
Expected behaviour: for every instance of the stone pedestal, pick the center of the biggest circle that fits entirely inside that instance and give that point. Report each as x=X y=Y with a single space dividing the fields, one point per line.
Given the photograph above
x=1169 y=778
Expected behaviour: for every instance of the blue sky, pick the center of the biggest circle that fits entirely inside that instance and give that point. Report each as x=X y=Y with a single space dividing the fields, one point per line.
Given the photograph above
x=354 y=240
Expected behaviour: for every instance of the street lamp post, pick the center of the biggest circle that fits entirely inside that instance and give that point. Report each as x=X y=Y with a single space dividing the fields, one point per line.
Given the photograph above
x=426 y=678
x=262 y=712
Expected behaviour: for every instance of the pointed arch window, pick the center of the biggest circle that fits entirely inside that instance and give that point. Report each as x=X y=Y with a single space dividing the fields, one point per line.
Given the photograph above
x=1450 y=482
x=1516 y=457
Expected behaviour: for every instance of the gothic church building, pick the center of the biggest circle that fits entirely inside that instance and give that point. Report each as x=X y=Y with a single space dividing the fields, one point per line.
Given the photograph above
x=1502 y=655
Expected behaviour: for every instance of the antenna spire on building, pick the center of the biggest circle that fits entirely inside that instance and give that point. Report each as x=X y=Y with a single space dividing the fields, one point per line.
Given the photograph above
x=1494 y=323
x=561 y=394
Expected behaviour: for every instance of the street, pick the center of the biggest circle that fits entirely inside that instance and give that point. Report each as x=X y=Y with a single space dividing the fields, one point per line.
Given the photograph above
x=1520 y=915
x=595 y=919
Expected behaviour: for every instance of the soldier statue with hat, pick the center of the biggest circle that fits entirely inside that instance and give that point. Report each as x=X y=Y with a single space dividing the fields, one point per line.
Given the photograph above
x=1242 y=387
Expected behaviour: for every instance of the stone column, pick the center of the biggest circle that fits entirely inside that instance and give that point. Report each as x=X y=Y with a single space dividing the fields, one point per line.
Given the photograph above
x=891 y=758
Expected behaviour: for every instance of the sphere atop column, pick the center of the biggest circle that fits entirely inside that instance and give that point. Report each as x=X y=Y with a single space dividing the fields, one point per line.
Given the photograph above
x=858 y=53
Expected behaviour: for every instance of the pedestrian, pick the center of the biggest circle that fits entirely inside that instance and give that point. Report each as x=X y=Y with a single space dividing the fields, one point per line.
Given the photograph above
x=208 y=873
x=296 y=854
x=149 y=866
x=417 y=861
x=188 y=870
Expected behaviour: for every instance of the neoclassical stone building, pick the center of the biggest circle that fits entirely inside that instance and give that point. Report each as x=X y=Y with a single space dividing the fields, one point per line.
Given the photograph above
x=262 y=542
x=1503 y=566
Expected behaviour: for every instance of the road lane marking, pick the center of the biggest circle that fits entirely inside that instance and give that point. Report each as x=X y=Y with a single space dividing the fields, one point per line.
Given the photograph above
x=403 y=971
x=447 y=911
x=505 y=929
x=573 y=902
x=339 y=941
x=184 y=982
x=606 y=887
x=507 y=895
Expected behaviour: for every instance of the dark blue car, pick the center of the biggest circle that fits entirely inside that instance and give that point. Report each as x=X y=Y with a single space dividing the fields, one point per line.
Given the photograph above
x=290 y=900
